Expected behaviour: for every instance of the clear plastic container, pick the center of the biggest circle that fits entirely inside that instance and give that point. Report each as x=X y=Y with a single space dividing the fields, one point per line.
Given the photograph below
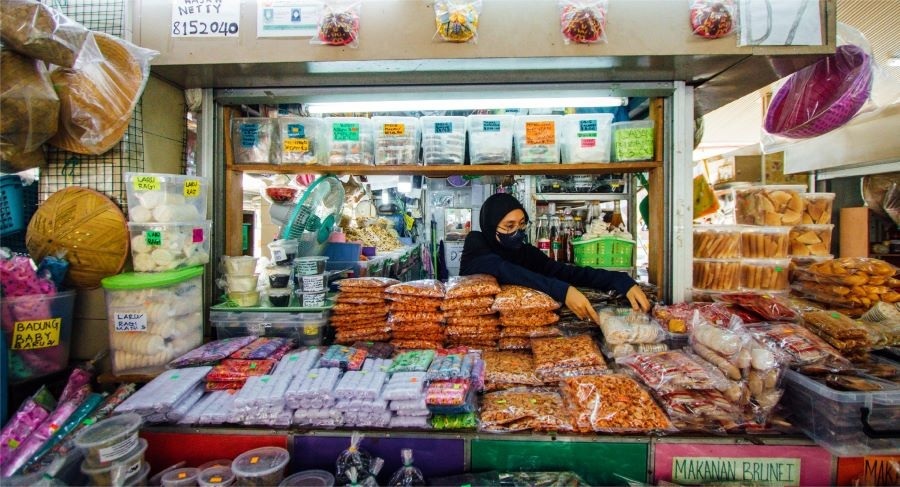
x=221 y=462
x=117 y=472
x=769 y=205
x=252 y=140
x=586 y=137
x=309 y=478
x=249 y=298
x=717 y=274
x=314 y=283
x=817 y=208
x=443 y=140
x=305 y=328
x=283 y=250
x=310 y=300
x=110 y=440
x=242 y=284
x=307 y=266
x=765 y=274
x=633 y=141
x=356 y=268
x=348 y=140
x=160 y=247
x=490 y=138
x=242 y=265
x=848 y=424
x=42 y=348
x=165 y=198
x=717 y=241
x=261 y=466
x=279 y=298
x=811 y=240
x=279 y=276
x=396 y=140
x=139 y=478
x=216 y=476
x=153 y=318
x=537 y=138
x=765 y=242
x=180 y=477
x=298 y=140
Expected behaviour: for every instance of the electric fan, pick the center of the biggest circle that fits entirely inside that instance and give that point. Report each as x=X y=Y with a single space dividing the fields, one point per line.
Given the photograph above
x=312 y=219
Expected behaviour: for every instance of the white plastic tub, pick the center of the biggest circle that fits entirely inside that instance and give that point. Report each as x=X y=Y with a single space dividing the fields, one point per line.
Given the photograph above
x=112 y=439
x=586 y=137
x=490 y=138
x=165 y=198
x=443 y=140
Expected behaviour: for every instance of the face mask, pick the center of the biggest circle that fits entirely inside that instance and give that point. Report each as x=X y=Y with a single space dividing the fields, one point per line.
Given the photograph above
x=512 y=241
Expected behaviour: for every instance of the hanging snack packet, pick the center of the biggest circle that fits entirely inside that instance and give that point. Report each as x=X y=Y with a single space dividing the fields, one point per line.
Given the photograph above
x=408 y=475
x=712 y=19
x=353 y=458
x=338 y=24
x=457 y=20
x=583 y=22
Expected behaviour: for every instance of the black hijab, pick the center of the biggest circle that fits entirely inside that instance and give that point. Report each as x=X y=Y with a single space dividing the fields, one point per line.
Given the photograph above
x=493 y=210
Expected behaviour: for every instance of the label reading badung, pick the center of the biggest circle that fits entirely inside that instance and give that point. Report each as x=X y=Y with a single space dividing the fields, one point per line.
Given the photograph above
x=35 y=334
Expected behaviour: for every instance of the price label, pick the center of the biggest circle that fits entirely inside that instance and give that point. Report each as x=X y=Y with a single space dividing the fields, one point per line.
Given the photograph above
x=146 y=183
x=588 y=143
x=153 y=238
x=490 y=126
x=130 y=322
x=254 y=460
x=311 y=330
x=587 y=125
x=540 y=133
x=205 y=18
x=443 y=128
x=198 y=235
x=35 y=334
x=345 y=132
x=296 y=131
x=295 y=145
x=394 y=129
x=249 y=135
x=191 y=188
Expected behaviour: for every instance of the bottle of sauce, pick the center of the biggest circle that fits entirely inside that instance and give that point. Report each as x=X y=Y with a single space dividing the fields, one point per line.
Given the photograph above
x=543 y=235
x=555 y=242
x=616 y=221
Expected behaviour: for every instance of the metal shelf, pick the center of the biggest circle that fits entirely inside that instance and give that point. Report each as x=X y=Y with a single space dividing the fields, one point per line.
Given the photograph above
x=581 y=196
x=452 y=170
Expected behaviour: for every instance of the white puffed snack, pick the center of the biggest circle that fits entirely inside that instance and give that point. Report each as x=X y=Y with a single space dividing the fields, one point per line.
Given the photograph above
x=151 y=199
x=140 y=214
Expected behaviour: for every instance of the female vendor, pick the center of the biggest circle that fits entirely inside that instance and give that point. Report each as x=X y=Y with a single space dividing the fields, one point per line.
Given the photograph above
x=499 y=249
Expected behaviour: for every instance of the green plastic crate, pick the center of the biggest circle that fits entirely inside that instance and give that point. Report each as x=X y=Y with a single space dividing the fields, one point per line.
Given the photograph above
x=604 y=252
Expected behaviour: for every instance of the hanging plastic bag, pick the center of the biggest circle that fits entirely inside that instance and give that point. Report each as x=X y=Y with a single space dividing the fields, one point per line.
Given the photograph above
x=713 y=19
x=583 y=22
x=41 y=32
x=357 y=461
x=408 y=475
x=338 y=24
x=30 y=111
x=705 y=201
x=457 y=20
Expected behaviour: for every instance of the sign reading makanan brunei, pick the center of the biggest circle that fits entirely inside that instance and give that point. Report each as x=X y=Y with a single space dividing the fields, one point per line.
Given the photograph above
x=774 y=471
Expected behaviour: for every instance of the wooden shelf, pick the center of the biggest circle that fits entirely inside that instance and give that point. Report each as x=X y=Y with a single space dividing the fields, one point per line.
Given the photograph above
x=452 y=170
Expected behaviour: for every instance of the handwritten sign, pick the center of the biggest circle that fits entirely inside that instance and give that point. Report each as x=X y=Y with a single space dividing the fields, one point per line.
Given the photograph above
x=146 y=183
x=205 y=18
x=296 y=145
x=693 y=470
x=875 y=470
x=540 y=133
x=345 y=132
x=153 y=238
x=35 y=334
x=490 y=126
x=130 y=322
x=191 y=188
x=394 y=129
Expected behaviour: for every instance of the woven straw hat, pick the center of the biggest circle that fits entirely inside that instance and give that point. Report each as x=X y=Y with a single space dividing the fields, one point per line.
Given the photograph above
x=41 y=32
x=97 y=99
x=29 y=111
x=88 y=226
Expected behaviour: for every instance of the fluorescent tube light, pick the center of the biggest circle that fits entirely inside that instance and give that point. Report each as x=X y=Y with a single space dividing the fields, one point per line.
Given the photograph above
x=462 y=104
x=404 y=184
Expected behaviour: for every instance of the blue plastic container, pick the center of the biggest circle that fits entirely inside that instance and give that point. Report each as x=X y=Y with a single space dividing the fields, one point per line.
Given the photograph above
x=12 y=205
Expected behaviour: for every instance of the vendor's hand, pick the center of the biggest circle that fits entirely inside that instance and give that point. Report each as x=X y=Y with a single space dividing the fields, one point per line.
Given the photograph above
x=636 y=297
x=580 y=305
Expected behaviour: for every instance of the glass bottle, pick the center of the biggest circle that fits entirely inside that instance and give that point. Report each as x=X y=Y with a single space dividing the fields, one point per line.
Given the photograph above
x=616 y=221
x=543 y=235
x=555 y=243
x=569 y=226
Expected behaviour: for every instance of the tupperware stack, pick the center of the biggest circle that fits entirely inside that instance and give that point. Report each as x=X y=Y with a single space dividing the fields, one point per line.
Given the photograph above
x=113 y=452
x=155 y=313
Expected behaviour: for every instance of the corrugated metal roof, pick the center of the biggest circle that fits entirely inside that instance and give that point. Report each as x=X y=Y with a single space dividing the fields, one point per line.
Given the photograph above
x=879 y=21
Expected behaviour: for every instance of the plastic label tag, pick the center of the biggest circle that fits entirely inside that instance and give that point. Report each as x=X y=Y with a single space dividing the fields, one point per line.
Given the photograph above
x=254 y=460
x=779 y=268
x=130 y=322
x=310 y=330
x=198 y=235
x=191 y=188
x=490 y=126
x=587 y=125
x=443 y=128
x=345 y=132
x=182 y=475
x=215 y=480
x=312 y=376
x=540 y=133
x=249 y=135
x=295 y=145
x=296 y=131
x=118 y=450
x=394 y=129
x=588 y=143
x=835 y=316
x=175 y=377
x=252 y=365
x=146 y=183
x=278 y=254
x=265 y=379
x=313 y=283
x=153 y=238
x=35 y=334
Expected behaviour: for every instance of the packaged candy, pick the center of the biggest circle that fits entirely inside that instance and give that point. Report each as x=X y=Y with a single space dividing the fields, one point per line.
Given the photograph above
x=509 y=368
x=454 y=421
x=457 y=20
x=162 y=393
x=404 y=386
x=211 y=352
x=297 y=363
x=412 y=361
x=230 y=370
x=712 y=19
x=612 y=403
x=337 y=356
x=264 y=347
x=30 y=415
x=450 y=364
x=583 y=21
x=313 y=390
x=476 y=285
x=408 y=475
x=338 y=24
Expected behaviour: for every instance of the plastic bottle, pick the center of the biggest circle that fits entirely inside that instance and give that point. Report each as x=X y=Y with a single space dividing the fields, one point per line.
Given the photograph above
x=543 y=235
x=569 y=232
x=555 y=242
x=616 y=221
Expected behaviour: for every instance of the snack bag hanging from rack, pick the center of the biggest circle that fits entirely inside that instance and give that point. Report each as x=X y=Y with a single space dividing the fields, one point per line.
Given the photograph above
x=457 y=20
x=583 y=21
x=712 y=19
x=338 y=24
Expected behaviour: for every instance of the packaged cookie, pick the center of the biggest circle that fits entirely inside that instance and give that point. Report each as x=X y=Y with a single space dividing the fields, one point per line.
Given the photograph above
x=535 y=319
x=509 y=368
x=425 y=288
x=562 y=356
x=583 y=21
x=338 y=24
x=451 y=304
x=717 y=241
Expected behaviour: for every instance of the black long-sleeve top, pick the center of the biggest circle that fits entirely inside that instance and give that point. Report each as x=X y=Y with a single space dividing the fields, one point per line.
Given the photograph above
x=530 y=267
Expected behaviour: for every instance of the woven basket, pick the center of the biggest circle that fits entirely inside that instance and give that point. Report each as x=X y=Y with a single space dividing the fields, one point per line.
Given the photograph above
x=97 y=99
x=88 y=226
x=821 y=97
x=29 y=111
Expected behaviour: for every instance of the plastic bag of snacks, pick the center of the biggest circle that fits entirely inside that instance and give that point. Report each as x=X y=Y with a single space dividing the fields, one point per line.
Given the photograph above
x=583 y=21
x=674 y=370
x=726 y=349
x=451 y=364
x=713 y=19
x=30 y=415
x=346 y=358
x=555 y=358
x=361 y=284
x=239 y=370
x=523 y=409
x=356 y=461
x=802 y=346
x=338 y=24
x=211 y=352
x=465 y=304
x=509 y=368
x=612 y=403
x=457 y=20
x=376 y=350
x=533 y=319
x=426 y=288
x=706 y=410
x=513 y=299
x=265 y=347
x=767 y=307
x=412 y=361
x=454 y=421
x=472 y=286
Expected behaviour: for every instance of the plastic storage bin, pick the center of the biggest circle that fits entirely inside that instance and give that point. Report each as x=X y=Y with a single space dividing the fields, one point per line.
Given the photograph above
x=160 y=247
x=252 y=140
x=396 y=140
x=771 y=205
x=765 y=274
x=443 y=140
x=306 y=328
x=153 y=318
x=717 y=241
x=490 y=138
x=604 y=252
x=37 y=330
x=633 y=141
x=165 y=198
x=110 y=440
x=586 y=137
x=537 y=138
x=811 y=240
x=817 y=208
x=765 y=242
x=717 y=274
x=348 y=140
x=298 y=140
x=848 y=424
x=261 y=466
